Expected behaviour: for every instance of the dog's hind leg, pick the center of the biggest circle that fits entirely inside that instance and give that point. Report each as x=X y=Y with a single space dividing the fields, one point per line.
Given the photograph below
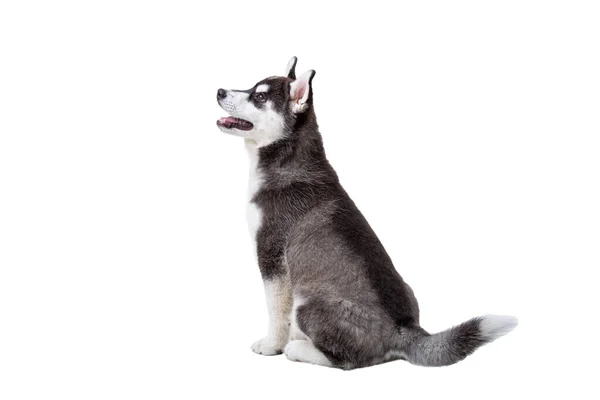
x=339 y=333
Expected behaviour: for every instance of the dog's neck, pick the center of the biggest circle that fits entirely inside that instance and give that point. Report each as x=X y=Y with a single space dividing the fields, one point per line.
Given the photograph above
x=298 y=157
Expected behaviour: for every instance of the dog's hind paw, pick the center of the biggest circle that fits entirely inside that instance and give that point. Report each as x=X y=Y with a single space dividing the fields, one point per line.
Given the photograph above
x=303 y=351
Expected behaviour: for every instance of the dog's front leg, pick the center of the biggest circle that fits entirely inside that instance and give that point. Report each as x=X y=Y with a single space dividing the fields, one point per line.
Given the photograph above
x=279 y=304
x=278 y=292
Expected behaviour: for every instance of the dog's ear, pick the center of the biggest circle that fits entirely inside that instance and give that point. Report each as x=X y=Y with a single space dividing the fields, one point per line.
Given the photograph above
x=301 y=91
x=290 y=70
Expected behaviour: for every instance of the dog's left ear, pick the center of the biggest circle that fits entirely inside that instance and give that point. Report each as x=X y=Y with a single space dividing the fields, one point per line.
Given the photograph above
x=301 y=91
x=290 y=70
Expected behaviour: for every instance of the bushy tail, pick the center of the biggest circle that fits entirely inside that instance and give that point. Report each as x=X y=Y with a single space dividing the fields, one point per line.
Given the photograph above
x=456 y=343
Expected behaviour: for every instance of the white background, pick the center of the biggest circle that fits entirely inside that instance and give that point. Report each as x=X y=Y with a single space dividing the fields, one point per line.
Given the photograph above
x=466 y=132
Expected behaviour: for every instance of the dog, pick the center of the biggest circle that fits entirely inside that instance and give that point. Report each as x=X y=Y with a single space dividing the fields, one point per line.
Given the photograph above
x=333 y=295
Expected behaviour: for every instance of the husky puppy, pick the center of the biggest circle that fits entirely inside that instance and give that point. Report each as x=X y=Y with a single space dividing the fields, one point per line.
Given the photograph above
x=334 y=297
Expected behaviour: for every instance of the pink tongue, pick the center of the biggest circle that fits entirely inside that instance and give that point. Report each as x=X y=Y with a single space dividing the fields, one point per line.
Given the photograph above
x=230 y=120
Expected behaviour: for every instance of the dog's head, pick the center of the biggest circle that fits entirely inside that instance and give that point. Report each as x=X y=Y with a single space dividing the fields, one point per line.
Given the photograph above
x=268 y=111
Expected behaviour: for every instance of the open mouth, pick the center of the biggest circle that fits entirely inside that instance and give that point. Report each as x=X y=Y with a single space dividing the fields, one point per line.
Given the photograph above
x=237 y=123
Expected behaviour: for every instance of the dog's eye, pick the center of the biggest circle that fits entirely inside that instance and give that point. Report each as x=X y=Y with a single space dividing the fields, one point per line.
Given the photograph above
x=260 y=97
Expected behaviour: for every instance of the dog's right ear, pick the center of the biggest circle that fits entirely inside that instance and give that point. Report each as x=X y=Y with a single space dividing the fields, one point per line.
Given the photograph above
x=301 y=92
x=290 y=70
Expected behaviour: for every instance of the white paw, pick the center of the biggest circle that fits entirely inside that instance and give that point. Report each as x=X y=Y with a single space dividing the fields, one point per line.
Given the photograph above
x=266 y=346
x=303 y=351
x=293 y=349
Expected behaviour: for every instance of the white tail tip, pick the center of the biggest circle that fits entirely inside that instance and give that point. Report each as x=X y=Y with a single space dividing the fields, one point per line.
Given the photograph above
x=494 y=326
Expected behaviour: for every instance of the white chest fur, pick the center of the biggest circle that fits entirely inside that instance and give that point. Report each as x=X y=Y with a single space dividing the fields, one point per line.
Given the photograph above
x=253 y=212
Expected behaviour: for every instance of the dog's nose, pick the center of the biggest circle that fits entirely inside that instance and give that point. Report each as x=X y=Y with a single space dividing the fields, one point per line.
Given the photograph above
x=221 y=94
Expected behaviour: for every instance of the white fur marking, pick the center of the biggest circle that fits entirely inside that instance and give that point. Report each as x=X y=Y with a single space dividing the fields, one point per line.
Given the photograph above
x=494 y=326
x=304 y=351
x=392 y=355
x=271 y=128
x=278 y=295
x=262 y=88
x=278 y=306
x=295 y=331
x=253 y=213
x=268 y=124
x=266 y=347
